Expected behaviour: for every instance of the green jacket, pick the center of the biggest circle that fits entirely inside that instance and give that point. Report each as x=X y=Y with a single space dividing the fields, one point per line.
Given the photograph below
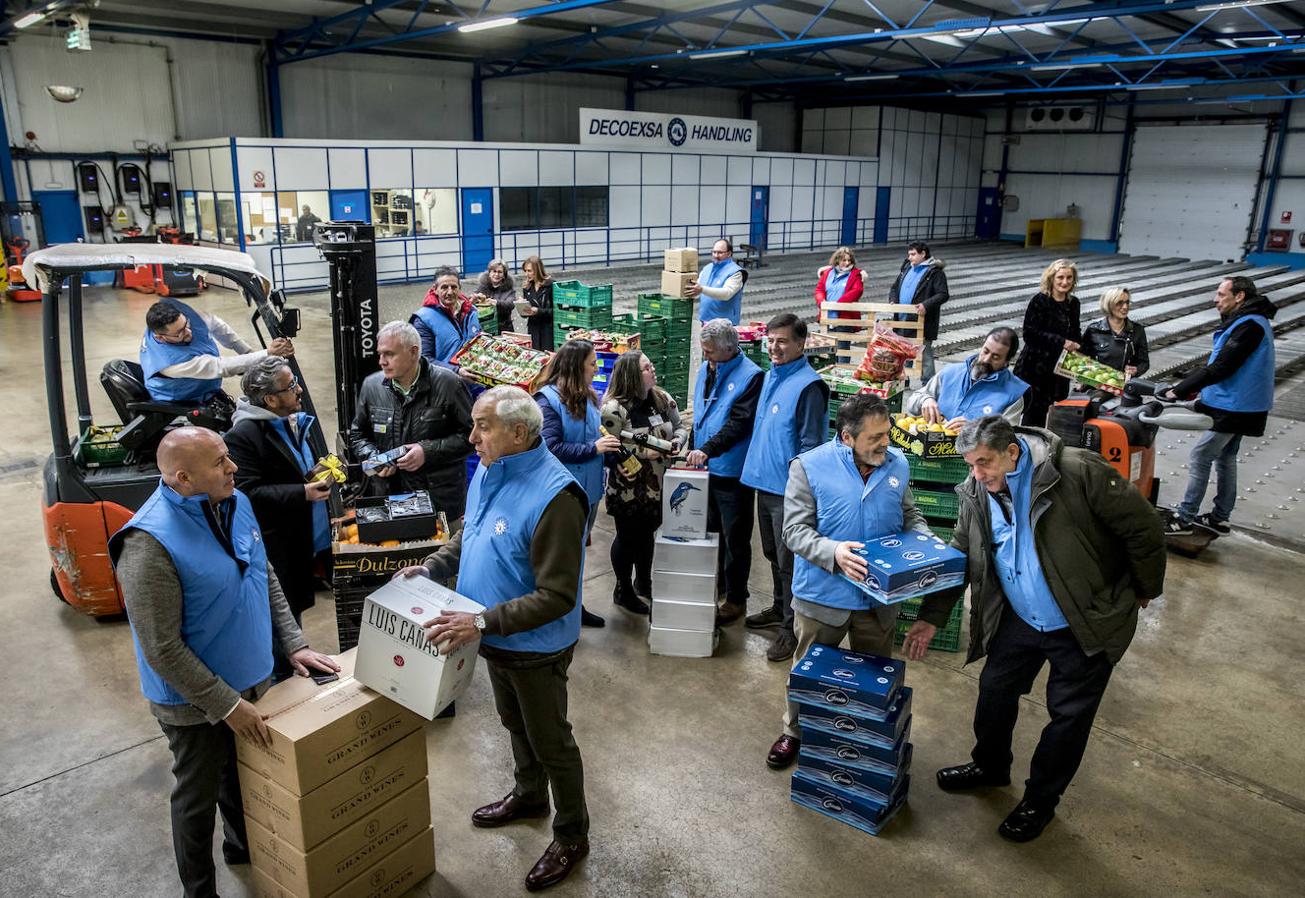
x=1100 y=543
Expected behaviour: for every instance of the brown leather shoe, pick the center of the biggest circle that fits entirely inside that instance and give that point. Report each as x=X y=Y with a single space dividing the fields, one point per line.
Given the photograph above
x=729 y=612
x=783 y=753
x=511 y=808
x=556 y=865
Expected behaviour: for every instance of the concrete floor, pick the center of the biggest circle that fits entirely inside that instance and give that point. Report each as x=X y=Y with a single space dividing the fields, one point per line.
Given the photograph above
x=1192 y=784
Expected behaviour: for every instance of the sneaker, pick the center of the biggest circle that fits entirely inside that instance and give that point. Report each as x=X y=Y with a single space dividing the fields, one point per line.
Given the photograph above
x=1210 y=522
x=1176 y=526
x=783 y=647
x=771 y=617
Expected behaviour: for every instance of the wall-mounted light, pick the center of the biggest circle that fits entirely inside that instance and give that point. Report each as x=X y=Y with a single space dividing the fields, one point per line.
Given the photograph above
x=63 y=92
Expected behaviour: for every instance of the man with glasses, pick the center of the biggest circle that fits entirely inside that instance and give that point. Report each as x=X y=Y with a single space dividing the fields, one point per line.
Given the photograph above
x=180 y=357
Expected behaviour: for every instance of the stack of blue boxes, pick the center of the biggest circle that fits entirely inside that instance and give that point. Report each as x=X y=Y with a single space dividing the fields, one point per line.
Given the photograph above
x=855 y=715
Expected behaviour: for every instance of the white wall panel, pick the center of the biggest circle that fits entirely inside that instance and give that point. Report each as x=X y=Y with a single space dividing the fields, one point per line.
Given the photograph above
x=804 y=173
x=219 y=161
x=556 y=168
x=478 y=168
x=711 y=204
x=656 y=168
x=348 y=168
x=591 y=168
x=625 y=207
x=434 y=168
x=740 y=170
x=625 y=168
x=684 y=169
x=781 y=171
x=300 y=168
x=803 y=203
x=738 y=204
x=712 y=170
x=388 y=168
x=518 y=168
x=684 y=204
x=656 y=205
x=181 y=170
x=254 y=161
x=201 y=169
x=781 y=203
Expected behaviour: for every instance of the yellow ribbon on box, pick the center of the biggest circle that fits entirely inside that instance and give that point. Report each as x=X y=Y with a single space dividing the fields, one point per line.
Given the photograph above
x=328 y=468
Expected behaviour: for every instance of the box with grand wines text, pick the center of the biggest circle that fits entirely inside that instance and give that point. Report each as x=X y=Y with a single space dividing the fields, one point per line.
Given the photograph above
x=681 y=259
x=318 y=732
x=344 y=855
x=684 y=503
x=832 y=719
x=851 y=681
x=394 y=657
x=305 y=821
x=676 y=283
x=685 y=555
x=390 y=876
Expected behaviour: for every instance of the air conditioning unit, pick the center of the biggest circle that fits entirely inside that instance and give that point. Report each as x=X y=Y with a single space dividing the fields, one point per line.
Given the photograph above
x=1059 y=118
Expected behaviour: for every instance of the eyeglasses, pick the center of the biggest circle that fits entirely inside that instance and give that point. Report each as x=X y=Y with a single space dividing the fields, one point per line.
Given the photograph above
x=176 y=335
x=294 y=385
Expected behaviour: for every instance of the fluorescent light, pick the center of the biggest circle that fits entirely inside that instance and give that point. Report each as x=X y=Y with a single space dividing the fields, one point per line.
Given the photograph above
x=982 y=93
x=1236 y=4
x=30 y=19
x=869 y=77
x=1064 y=66
x=1165 y=85
x=487 y=24
x=718 y=54
x=942 y=39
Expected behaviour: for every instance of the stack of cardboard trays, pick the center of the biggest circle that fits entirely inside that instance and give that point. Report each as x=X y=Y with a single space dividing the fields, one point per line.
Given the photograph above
x=339 y=805
x=679 y=270
x=855 y=716
x=908 y=565
x=684 y=570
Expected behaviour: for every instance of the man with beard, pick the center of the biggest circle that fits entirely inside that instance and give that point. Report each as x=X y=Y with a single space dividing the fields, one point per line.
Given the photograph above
x=981 y=385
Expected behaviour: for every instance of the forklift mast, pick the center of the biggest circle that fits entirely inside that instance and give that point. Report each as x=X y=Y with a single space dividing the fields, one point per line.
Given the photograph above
x=349 y=248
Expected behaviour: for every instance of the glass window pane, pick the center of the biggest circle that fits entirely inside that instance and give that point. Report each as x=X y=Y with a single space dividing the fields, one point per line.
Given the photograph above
x=189 y=212
x=392 y=212
x=436 y=211
x=517 y=207
x=208 y=228
x=555 y=207
x=304 y=209
x=591 y=207
x=228 y=229
x=260 y=212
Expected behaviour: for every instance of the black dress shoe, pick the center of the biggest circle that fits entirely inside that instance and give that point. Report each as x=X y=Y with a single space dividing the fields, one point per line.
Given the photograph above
x=969 y=776
x=556 y=865
x=629 y=601
x=1026 y=822
x=763 y=619
x=233 y=855
x=501 y=813
x=589 y=619
x=783 y=753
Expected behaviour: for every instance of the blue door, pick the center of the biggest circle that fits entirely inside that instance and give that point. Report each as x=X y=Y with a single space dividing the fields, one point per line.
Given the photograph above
x=350 y=205
x=882 y=197
x=987 y=225
x=851 y=199
x=61 y=215
x=759 y=224
x=477 y=228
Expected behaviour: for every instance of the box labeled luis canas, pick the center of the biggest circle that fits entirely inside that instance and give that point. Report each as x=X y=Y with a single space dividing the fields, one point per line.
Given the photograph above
x=394 y=657
x=906 y=565
x=684 y=503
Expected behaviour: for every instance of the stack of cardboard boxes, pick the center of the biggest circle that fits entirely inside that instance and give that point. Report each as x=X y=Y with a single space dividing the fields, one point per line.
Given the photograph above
x=684 y=570
x=679 y=271
x=855 y=717
x=339 y=804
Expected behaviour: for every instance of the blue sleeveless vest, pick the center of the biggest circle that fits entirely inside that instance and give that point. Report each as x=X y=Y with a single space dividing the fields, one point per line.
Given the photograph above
x=711 y=412
x=155 y=356
x=504 y=503
x=449 y=336
x=588 y=474
x=226 y=619
x=774 y=433
x=959 y=397
x=847 y=509
x=1250 y=388
x=303 y=453
x=715 y=275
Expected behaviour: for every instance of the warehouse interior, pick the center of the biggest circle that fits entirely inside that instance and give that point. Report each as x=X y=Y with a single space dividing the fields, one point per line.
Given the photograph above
x=1167 y=136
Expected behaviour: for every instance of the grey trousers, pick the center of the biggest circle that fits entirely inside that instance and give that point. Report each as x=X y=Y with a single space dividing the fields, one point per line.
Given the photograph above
x=868 y=632
x=770 y=521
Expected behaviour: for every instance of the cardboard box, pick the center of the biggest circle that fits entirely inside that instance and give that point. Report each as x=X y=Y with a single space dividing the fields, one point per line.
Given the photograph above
x=927 y=444
x=393 y=875
x=405 y=517
x=681 y=643
x=843 y=806
x=847 y=680
x=889 y=759
x=308 y=820
x=394 y=657
x=684 y=503
x=349 y=852
x=670 y=614
x=906 y=565
x=887 y=730
x=681 y=260
x=684 y=554
x=676 y=284
x=877 y=786
x=676 y=587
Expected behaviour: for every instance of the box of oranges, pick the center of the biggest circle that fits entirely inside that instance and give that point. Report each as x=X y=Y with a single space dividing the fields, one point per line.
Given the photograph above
x=918 y=437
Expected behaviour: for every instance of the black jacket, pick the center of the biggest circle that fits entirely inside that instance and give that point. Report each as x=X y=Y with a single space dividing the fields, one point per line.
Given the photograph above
x=1241 y=343
x=931 y=292
x=1047 y=325
x=437 y=414
x=1117 y=350
x=540 y=324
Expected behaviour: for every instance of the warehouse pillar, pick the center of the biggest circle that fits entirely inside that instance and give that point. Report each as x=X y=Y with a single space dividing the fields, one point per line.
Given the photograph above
x=1122 y=179
x=273 y=70
x=1274 y=175
x=7 y=179
x=477 y=103
x=629 y=94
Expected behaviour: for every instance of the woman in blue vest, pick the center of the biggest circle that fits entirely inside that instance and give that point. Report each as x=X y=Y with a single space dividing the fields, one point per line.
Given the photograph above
x=635 y=502
x=572 y=428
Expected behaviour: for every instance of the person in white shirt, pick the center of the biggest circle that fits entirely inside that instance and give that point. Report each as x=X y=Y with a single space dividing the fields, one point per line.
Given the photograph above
x=720 y=285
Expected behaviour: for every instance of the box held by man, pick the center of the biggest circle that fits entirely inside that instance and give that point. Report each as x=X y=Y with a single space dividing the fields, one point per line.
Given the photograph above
x=906 y=565
x=681 y=260
x=677 y=284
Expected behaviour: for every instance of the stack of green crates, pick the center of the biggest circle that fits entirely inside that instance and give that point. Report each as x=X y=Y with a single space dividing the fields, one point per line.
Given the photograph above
x=947 y=639
x=840 y=391
x=488 y=319
x=756 y=351
x=933 y=482
x=667 y=325
x=580 y=305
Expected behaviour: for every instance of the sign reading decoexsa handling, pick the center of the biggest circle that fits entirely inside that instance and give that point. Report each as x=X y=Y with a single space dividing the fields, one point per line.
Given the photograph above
x=661 y=131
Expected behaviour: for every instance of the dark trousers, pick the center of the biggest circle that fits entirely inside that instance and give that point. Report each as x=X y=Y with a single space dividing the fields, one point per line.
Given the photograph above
x=531 y=702
x=204 y=765
x=730 y=513
x=632 y=552
x=1016 y=654
x=1044 y=390
x=770 y=518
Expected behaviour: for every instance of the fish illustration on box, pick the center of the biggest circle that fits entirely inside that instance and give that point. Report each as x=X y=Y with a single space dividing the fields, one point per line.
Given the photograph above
x=680 y=494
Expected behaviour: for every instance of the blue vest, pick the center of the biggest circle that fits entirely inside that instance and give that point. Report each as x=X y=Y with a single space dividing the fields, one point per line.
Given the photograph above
x=848 y=509
x=1016 y=552
x=775 y=432
x=960 y=397
x=155 y=356
x=715 y=275
x=588 y=474
x=226 y=619
x=711 y=412
x=504 y=504
x=303 y=453
x=1250 y=388
x=449 y=336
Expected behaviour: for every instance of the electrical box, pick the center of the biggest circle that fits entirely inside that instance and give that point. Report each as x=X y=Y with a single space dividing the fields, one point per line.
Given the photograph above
x=163 y=194
x=1279 y=240
x=130 y=175
x=88 y=177
x=94 y=219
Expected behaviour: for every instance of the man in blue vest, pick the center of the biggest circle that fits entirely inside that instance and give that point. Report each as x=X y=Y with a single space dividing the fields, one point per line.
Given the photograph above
x=447 y=319
x=725 y=398
x=520 y=553
x=1236 y=389
x=204 y=609
x=843 y=492
x=180 y=357
x=981 y=385
x=792 y=417
x=720 y=285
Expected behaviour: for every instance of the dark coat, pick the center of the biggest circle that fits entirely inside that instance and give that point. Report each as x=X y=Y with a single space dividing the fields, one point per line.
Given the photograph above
x=931 y=292
x=1118 y=350
x=540 y=324
x=1047 y=325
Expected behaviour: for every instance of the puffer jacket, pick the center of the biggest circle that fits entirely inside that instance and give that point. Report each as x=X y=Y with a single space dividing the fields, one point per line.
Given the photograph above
x=1100 y=543
x=503 y=296
x=931 y=292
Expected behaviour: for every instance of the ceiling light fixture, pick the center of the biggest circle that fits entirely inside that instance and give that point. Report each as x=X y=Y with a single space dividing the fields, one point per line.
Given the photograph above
x=982 y=93
x=884 y=77
x=718 y=54
x=1064 y=66
x=487 y=24
x=1166 y=85
x=1236 y=4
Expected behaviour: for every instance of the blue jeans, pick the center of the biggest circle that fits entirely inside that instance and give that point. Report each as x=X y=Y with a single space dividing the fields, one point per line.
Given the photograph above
x=1219 y=450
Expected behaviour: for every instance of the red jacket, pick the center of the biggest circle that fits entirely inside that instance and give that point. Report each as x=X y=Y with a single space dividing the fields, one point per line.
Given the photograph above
x=467 y=308
x=852 y=293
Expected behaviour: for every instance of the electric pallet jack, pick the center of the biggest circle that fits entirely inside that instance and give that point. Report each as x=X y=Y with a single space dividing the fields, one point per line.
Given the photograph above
x=163 y=280
x=15 y=251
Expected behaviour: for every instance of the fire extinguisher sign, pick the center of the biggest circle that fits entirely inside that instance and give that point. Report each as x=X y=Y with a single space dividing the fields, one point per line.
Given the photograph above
x=1286 y=218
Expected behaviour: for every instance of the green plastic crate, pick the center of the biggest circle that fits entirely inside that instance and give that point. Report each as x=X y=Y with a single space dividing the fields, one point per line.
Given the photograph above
x=665 y=307
x=946 y=639
x=567 y=318
x=574 y=293
x=654 y=328
x=937 y=503
x=942 y=529
x=937 y=470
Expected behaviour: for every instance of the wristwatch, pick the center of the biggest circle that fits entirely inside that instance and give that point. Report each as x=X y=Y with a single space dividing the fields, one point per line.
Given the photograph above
x=479 y=621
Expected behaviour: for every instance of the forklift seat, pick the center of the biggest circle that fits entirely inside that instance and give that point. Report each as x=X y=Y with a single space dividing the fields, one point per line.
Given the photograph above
x=147 y=419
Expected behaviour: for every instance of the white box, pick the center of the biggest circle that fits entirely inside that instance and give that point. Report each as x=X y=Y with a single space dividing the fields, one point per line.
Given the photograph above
x=681 y=643
x=394 y=657
x=674 y=586
x=688 y=556
x=684 y=503
x=672 y=614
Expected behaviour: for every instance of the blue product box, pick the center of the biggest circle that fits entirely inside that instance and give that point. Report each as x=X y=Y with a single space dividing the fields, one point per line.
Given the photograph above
x=907 y=565
x=836 y=722
x=868 y=785
x=886 y=759
x=867 y=816
x=854 y=681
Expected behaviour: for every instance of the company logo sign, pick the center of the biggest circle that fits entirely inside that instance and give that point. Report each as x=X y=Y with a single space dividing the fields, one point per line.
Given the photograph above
x=659 y=131
x=677 y=132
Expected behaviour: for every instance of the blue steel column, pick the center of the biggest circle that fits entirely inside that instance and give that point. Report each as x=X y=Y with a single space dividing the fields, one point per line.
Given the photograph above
x=477 y=103
x=629 y=94
x=273 y=90
x=7 y=179
x=1123 y=174
x=1274 y=176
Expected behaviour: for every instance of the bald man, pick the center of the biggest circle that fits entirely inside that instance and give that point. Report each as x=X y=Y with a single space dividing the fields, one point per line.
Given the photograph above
x=204 y=607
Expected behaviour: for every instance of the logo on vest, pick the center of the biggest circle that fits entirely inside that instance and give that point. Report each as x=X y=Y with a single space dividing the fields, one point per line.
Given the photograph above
x=730 y=386
x=987 y=410
x=894 y=482
x=500 y=526
x=774 y=409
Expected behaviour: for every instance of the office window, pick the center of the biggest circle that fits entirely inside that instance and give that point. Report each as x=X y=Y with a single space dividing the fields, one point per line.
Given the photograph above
x=554 y=207
x=435 y=211
x=518 y=207
x=189 y=212
x=591 y=207
x=208 y=228
x=542 y=208
x=228 y=227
